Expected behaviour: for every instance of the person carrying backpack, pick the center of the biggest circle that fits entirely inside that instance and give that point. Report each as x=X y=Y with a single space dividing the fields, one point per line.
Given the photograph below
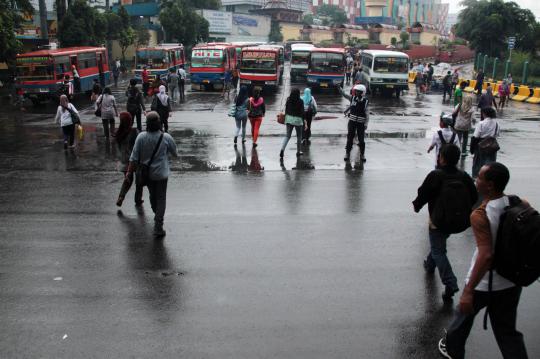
x=450 y=194
x=135 y=103
x=485 y=287
x=310 y=109
x=444 y=136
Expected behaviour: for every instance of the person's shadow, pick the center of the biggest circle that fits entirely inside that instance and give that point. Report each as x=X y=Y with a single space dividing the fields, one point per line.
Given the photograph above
x=255 y=165
x=240 y=165
x=304 y=162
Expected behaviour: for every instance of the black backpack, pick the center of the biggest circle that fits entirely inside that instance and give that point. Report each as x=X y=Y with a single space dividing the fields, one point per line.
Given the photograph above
x=453 y=208
x=517 y=249
x=132 y=101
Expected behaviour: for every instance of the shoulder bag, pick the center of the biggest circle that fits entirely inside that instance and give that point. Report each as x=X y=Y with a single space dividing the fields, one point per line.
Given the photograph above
x=142 y=174
x=75 y=118
x=489 y=145
x=98 y=108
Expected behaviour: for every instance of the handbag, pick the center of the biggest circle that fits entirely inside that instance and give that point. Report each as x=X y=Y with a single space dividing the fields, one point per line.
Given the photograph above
x=142 y=174
x=281 y=118
x=232 y=110
x=98 y=108
x=489 y=145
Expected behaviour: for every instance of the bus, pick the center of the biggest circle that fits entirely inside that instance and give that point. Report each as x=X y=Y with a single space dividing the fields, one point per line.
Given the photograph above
x=299 y=61
x=159 y=60
x=209 y=63
x=288 y=46
x=281 y=50
x=326 y=68
x=40 y=74
x=260 y=67
x=385 y=71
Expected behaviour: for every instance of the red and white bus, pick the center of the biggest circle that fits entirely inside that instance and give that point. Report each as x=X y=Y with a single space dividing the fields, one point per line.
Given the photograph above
x=159 y=60
x=209 y=63
x=40 y=74
x=261 y=66
x=326 y=68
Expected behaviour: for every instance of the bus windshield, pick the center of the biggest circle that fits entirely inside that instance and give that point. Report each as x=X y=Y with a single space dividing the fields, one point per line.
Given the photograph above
x=207 y=58
x=151 y=58
x=35 y=68
x=391 y=65
x=261 y=62
x=300 y=57
x=326 y=62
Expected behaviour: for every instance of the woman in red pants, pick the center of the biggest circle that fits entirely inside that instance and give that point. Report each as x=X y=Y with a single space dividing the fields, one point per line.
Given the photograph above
x=256 y=111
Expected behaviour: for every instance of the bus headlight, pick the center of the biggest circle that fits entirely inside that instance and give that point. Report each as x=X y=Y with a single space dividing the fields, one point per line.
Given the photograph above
x=376 y=80
x=247 y=82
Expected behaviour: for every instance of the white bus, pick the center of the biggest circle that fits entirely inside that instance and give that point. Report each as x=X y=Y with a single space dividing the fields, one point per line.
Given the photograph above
x=385 y=71
x=300 y=60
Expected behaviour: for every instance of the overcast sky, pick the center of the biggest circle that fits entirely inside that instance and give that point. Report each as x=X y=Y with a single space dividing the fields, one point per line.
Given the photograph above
x=533 y=5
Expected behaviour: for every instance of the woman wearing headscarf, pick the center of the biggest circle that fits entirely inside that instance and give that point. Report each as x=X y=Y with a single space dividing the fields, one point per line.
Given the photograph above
x=241 y=113
x=256 y=111
x=125 y=139
x=107 y=103
x=310 y=109
x=163 y=107
x=463 y=123
x=294 y=119
x=63 y=116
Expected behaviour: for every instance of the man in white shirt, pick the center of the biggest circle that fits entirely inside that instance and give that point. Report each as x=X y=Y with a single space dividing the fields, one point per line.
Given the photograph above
x=504 y=298
x=181 y=81
x=443 y=136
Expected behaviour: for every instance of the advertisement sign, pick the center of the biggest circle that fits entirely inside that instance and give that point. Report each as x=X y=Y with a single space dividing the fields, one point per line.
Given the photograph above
x=262 y=55
x=32 y=60
x=206 y=53
x=220 y=21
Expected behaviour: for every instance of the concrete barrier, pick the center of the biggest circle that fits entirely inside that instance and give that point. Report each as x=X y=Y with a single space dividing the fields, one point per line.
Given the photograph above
x=523 y=93
x=472 y=85
x=535 y=98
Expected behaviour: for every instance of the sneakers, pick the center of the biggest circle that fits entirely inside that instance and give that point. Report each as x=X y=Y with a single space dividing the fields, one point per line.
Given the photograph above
x=281 y=154
x=442 y=348
x=449 y=293
x=427 y=268
x=235 y=139
x=363 y=158
x=347 y=157
x=159 y=232
x=119 y=201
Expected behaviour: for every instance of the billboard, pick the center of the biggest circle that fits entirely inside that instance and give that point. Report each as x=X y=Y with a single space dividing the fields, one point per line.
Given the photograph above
x=220 y=21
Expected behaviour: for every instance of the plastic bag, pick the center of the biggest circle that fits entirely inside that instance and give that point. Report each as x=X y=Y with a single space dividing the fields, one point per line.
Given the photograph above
x=80 y=132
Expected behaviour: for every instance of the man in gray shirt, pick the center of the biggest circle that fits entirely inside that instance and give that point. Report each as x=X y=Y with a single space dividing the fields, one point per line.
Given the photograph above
x=159 y=170
x=173 y=80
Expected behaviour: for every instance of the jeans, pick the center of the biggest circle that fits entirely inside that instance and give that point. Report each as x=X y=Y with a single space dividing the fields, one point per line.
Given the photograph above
x=447 y=90
x=137 y=115
x=463 y=138
x=126 y=185
x=255 y=126
x=480 y=159
x=299 y=130
x=172 y=91
x=437 y=258
x=158 y=199
x=354 y=128
x=145 y=88
x=181 y=88
x=309 y=117
x=108 y=126
x=69 y=134
x=502 y=314
x=164 y=116
x=240 y=125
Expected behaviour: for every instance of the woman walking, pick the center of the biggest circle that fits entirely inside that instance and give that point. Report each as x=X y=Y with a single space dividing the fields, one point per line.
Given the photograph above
x=241 y=113
x=463 y=123
x=294 y=119
x=162 y=107
x=310 y=109
x=486 y=128
x=256 y=111
x=67 y=122
x=107 y=103
x=135 y=103
x=125 y=138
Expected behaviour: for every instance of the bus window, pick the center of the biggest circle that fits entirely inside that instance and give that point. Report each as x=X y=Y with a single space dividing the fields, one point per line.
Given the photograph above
x=207 y=58
x=35 y=68
x=61 y=66
x=261 y=62
x=327 y=62
x=300 y=57
x=367 y=61
x=87 y=60
x=150 y=58
x=391 y=64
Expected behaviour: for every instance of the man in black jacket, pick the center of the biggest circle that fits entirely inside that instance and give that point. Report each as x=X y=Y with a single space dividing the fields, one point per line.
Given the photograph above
x=358 y=120
x=430 y=192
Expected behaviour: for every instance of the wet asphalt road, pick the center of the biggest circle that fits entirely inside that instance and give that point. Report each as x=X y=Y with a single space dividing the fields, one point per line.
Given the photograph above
x=309 y=260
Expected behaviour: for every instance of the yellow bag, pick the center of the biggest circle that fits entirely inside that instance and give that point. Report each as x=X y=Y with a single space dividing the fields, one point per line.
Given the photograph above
x=80 y=132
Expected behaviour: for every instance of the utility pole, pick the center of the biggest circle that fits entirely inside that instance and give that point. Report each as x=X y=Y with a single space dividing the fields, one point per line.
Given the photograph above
x=43 y=20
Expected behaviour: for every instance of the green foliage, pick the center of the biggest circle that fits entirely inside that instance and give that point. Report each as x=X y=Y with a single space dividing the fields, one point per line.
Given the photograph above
x=404 y=37
x=308 y=19
x=275 y=32
x=126 y=38
x=393 y=41
x=142 y=36
x=182 y=23
x=488 y=24
x=332 y=15
x=204 y=4
x=82 y=26
x=10 y=22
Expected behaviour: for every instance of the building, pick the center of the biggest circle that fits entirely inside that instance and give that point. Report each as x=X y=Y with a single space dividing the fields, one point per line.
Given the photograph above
x=245 y=6
x=351 y=7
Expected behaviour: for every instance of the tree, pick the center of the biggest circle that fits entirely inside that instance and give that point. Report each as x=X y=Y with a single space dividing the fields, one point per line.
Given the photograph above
x=205 y=4
x=275 y=32
x=332 y=15
x=488 y=24
x=404 y=37
x=393 y=41
x=142 y=36
x=82 y=26
x=125 y=40
x=182 y=23
x=308 y=19
x=10 y=22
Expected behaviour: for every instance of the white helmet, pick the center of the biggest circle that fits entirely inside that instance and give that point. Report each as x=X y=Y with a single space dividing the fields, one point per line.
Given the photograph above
x=360 y=88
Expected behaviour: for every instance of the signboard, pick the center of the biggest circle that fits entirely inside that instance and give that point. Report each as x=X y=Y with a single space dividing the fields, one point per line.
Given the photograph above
x=262 y=55
x=220 y=21
x=511 y=42
x=206 y=53
x=32 y=60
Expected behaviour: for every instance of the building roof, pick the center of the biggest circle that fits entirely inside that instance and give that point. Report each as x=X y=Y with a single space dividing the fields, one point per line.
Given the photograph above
x=61 y=51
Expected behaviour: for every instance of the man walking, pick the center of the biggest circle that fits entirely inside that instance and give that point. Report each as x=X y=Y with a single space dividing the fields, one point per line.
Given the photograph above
x=504 y=297
x=145 y=81
x=173 y=81
x=181 y=81
x=152 y=148
x=479 y=82
x=450 y=195
x=358 y=120
x=447 y=86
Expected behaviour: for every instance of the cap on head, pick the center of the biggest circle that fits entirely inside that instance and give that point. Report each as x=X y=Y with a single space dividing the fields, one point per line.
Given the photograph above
x=447 y=119
x=360 y=89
